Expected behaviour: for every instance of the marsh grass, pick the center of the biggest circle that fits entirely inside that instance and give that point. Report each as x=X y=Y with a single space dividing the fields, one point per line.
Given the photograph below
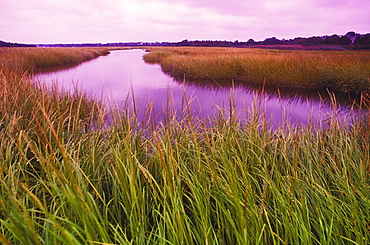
x=67 y=178
x=345 y=72
x=21 y=60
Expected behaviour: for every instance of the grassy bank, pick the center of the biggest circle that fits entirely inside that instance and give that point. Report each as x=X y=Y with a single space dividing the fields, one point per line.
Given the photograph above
x=66 y=178
x=21 y=60
x=339 y=71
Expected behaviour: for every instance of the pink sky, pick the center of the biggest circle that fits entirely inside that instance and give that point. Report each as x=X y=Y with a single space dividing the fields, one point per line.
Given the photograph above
x=76 y=21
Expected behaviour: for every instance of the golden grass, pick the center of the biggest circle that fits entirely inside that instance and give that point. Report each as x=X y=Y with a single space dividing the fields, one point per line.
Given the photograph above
x=342 y=71
x=20 y=60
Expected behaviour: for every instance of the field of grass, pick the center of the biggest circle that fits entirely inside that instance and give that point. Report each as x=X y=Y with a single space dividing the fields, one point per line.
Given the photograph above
x=21 y=60
x=340 y=71
x=68 y=178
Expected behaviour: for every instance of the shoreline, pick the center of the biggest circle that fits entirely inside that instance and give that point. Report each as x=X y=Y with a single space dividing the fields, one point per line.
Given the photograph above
x=345 y=72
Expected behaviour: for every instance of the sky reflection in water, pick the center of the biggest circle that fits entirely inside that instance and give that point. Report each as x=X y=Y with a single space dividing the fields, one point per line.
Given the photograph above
x=116 y=76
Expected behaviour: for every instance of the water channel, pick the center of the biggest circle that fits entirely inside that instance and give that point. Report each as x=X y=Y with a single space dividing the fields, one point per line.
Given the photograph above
x=123 y=74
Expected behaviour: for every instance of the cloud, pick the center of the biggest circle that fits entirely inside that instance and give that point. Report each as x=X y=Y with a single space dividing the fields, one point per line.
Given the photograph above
x=230 y=7
x=52 y=21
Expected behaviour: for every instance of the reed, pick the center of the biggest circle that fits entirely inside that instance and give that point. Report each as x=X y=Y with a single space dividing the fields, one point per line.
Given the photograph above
x=345 y=72
x=20 y=60
x=67 y=178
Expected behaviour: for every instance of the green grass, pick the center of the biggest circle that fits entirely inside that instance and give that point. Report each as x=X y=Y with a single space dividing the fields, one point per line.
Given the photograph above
x=67 y=178
x=345 y=72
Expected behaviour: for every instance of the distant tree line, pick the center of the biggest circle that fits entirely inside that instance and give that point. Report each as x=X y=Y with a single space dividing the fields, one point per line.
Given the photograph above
x=116 y=44
x=351 y=39
x=5 y=44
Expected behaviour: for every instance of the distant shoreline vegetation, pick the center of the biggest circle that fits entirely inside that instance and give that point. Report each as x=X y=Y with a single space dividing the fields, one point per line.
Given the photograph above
x=16 y=45
x=350 y=40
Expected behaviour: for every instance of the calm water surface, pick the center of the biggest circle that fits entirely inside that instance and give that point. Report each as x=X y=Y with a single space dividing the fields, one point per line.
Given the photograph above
x=121 y=74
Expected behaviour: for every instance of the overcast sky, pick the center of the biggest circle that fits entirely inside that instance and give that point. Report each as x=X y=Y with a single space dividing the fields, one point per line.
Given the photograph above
x=77 y=21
